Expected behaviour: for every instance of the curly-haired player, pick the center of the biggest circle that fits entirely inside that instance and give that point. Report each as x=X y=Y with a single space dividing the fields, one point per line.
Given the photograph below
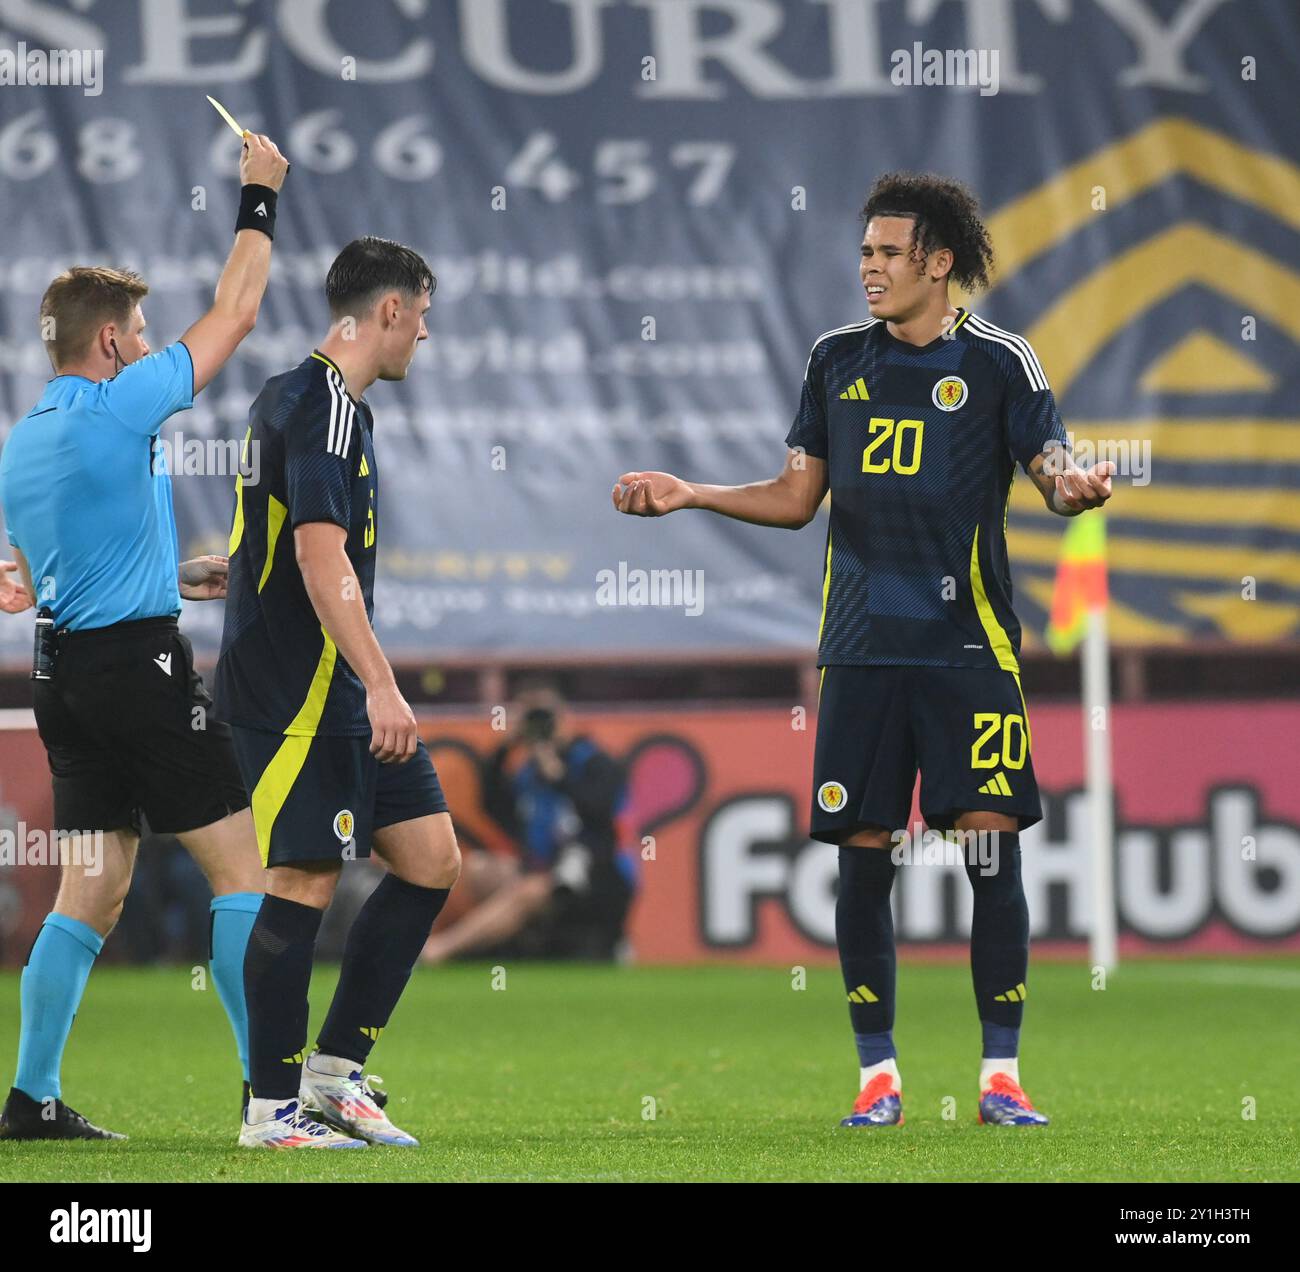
x=914 y=419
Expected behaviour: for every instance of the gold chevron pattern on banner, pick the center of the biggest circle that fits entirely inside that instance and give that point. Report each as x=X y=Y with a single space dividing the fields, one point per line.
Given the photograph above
x=1165 y=148
x=1202 y=363
x=1166 y=539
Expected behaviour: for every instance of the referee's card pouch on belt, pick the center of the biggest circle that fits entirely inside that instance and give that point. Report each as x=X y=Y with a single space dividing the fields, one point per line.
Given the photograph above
x=43 y=649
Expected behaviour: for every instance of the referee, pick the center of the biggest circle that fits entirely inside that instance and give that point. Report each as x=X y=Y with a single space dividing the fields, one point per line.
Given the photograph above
x=88 y=507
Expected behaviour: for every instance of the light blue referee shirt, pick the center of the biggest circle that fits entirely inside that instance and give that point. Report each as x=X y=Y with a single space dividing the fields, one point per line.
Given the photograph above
x=87 y=494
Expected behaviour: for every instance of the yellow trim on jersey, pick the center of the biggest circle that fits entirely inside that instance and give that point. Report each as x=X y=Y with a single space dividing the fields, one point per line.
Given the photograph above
x=999 y=641
x=237 y=526
x=320 y=357
x=965 y=313
x=275 y=515
x=305 y=722
x=826 y=586
x=278 y=777
x=1029 y=733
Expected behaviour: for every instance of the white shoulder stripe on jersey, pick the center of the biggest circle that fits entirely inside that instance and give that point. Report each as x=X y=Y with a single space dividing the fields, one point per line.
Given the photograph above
x=1017 y=344
x=853 y=326
x=349 y=412
x=334 y=410
x=341 y=436
x=1017 y=341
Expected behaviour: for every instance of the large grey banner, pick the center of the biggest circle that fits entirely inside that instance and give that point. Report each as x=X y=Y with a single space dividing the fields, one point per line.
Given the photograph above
x=641 y=214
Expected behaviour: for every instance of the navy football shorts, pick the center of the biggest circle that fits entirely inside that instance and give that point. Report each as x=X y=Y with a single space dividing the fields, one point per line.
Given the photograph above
x=321 y=799
x=965 y=728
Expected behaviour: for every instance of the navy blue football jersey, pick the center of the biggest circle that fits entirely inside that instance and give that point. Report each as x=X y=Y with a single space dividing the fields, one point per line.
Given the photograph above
x=311 y=448
x=921 y=444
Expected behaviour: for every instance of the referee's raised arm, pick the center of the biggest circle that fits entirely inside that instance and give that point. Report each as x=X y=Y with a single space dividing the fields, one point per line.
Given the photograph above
x=123 y=713
x=242 y=284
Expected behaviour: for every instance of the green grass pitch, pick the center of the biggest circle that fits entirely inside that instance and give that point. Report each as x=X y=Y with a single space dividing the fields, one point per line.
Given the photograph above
x=552 y=1078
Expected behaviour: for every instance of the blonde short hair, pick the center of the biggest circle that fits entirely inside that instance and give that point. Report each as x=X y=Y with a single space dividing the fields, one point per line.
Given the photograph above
x=80 y=301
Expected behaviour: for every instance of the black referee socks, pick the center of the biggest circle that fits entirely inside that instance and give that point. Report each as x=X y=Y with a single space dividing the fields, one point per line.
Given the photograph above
x=277 y=974
x=864 y=933
x=385 y=940
x=999 y=943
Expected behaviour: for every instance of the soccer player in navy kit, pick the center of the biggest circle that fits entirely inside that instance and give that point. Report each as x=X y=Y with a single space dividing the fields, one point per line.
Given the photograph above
x=914 y=420
x=325 y=741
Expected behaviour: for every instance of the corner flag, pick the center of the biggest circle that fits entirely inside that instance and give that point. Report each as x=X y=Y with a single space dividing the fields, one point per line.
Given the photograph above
x=1080 y=581
x=1079 y=615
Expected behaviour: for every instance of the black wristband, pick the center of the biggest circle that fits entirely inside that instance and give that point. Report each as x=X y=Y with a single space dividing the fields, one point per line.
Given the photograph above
x=257 y=209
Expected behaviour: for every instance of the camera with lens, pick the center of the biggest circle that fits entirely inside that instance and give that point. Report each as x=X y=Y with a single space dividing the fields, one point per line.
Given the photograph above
x=539 y=724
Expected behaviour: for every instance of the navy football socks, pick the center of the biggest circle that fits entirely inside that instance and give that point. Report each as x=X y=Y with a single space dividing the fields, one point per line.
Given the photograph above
x=999 y=948
x=864 y=933
x=385 y=940
x=277 y=976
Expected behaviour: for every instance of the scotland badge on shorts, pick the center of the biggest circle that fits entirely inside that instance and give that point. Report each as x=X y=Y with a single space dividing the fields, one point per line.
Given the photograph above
x=950 y=393
x=831 y=797
x=343 y=825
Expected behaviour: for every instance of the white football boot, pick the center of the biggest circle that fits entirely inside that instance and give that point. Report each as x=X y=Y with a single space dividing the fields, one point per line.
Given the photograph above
x=335 y=1090
x=289 y=1127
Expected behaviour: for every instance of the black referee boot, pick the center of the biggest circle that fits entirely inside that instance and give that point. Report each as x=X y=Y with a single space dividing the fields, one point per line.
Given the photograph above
x=21 y=1120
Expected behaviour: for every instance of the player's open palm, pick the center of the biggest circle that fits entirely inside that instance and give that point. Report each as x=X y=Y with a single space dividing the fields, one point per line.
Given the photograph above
x=393 y=731
x=650 y=494
x=1083 y=488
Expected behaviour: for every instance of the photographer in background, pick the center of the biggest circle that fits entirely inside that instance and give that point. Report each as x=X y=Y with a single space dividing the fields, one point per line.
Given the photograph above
x=558 y=798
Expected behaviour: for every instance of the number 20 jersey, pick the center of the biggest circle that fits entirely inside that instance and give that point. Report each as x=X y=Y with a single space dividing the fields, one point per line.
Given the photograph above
x=921 y=444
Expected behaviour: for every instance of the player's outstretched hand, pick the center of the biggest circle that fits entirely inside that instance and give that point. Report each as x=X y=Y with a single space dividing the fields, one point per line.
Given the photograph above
x=650 y=494
x=204 y=578
x=261 y=163
x=1082 y=488
x=393 y=733
x=14 y=597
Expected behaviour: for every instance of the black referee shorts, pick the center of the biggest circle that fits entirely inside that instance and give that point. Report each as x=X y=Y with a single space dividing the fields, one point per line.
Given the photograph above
x=128 y=728
x=965 y=728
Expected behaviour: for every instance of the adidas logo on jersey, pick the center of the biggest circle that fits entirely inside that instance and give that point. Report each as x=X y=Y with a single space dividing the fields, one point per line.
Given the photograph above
x=996 y=785
x=856 y=392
